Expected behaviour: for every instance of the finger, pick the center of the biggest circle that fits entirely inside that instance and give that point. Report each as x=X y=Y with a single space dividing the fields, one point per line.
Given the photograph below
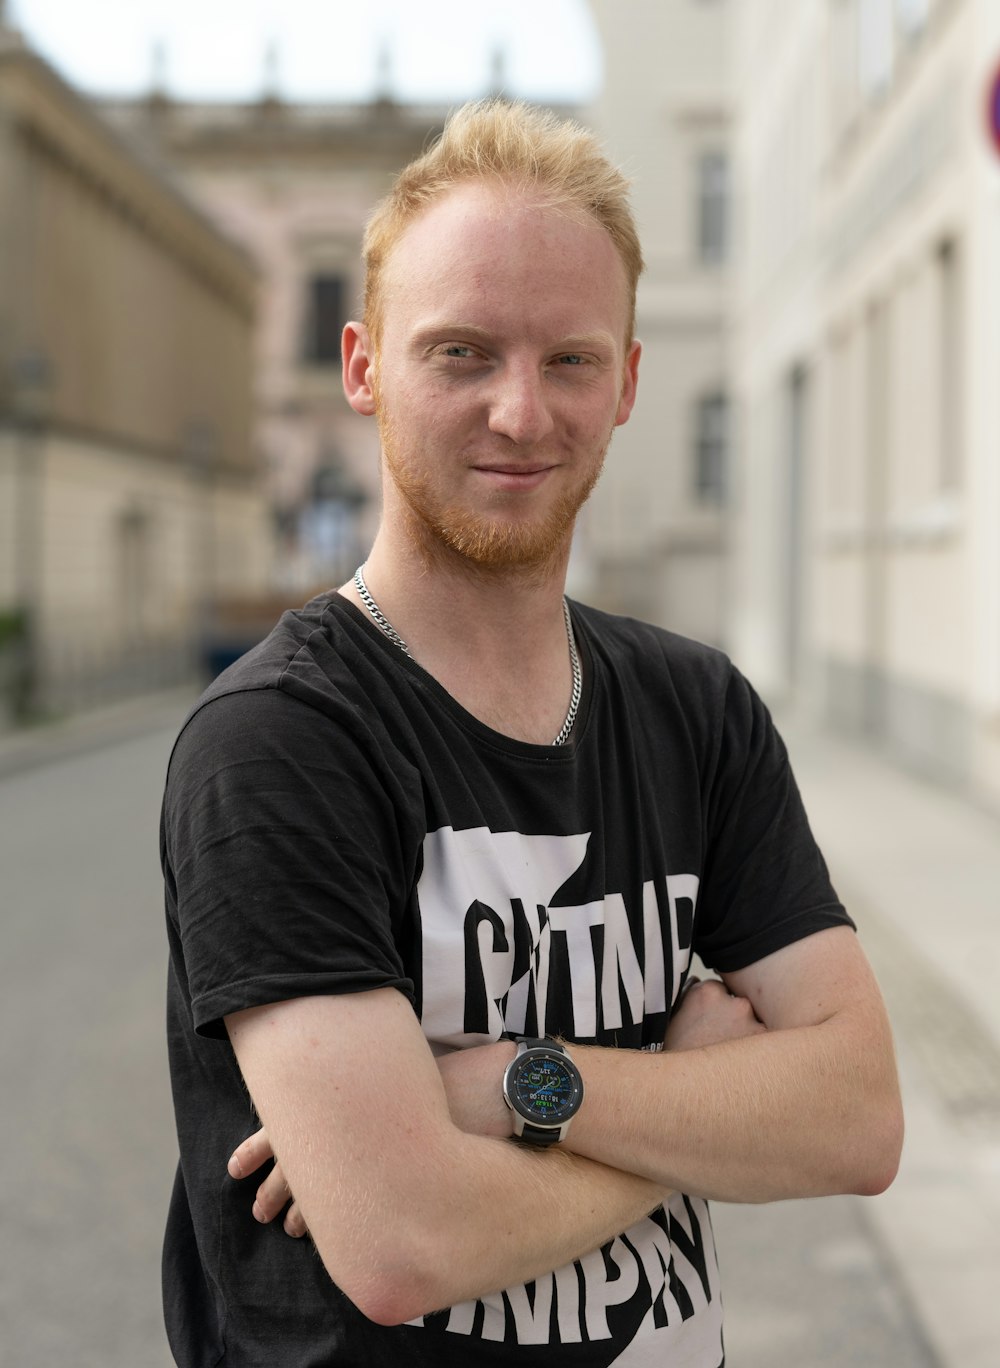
x=248 y=1157
x=295 y=1222
x=744 y=1018
x=745 y=1006
x=707 y=990
x=272 y=1196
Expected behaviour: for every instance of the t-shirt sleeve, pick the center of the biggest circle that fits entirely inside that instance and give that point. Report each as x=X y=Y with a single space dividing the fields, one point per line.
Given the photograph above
x=766 y=883
x=285 y=870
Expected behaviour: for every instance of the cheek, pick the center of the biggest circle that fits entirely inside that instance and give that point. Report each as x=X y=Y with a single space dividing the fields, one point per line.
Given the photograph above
x=595 y=433
x=440 y=414
x=425 y=430
x=590 y=418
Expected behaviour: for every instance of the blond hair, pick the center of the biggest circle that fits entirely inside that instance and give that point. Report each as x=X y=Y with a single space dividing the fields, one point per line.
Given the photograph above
x=516 y=145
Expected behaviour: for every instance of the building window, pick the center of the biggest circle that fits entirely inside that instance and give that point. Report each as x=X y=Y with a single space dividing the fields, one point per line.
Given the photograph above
x=324 y=320
x=711 y=441
x=713 y=207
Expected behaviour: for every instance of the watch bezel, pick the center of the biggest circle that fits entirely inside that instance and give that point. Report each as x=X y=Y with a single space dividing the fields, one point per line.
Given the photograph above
x=555 y=1054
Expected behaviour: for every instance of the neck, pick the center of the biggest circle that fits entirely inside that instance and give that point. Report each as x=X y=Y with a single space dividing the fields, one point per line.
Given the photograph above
x=439 y=593
x=496 y=642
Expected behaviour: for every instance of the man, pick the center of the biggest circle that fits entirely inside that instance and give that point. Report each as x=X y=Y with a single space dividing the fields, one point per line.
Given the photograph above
x=439 y=851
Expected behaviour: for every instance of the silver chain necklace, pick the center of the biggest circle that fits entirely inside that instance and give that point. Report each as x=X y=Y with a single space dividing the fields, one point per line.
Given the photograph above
x=387 y=629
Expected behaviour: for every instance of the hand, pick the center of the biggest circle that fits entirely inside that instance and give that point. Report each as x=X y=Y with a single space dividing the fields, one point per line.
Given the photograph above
x=274 y=1194
x=709 y=1014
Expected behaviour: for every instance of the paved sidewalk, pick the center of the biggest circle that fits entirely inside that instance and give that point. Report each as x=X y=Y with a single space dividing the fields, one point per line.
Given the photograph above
x=25 y=748
x=919 y=868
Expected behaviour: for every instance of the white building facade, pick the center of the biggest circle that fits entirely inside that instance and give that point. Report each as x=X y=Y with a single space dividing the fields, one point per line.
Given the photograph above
x=653 y=541
x=865 y=357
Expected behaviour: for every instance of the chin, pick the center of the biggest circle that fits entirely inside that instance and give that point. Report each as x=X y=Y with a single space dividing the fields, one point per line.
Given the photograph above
x=497 y=544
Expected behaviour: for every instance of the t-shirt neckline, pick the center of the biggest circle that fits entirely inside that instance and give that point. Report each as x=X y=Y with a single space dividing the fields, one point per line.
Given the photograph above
x=353 y=615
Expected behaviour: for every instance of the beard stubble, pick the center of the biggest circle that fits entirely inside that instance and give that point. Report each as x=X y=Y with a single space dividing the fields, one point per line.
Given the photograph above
x=490 y=543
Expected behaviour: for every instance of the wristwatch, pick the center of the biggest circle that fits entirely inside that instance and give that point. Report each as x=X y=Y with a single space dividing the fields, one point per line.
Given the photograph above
x=543 y=1088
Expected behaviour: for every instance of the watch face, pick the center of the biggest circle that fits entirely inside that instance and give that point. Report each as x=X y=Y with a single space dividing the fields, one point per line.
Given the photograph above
x=545 y=1089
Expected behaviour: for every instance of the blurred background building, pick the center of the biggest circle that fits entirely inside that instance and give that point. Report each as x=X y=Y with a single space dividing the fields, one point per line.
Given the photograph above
x=865 y=348
x=653 y=540
x=811 y=478
x=128 y=494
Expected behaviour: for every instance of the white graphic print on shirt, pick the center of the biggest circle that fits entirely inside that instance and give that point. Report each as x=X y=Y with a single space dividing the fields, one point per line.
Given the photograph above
x=491 y=937
x=496 y=955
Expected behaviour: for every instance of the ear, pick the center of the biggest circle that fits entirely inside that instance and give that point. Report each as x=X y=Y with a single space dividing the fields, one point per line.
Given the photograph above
x=630 y=380
x=359 y=361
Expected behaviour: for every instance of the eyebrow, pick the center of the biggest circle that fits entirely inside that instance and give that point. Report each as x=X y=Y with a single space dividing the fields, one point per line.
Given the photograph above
x=597 y=341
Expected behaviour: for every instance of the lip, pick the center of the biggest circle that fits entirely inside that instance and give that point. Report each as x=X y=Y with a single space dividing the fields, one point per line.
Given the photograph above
x=511 y=477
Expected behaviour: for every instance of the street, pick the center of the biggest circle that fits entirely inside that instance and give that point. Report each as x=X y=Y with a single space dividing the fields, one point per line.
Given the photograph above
x=87 y=1125
x=88 y=1131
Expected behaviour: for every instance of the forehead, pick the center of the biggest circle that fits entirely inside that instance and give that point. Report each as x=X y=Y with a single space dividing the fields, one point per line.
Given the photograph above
x=498 y=252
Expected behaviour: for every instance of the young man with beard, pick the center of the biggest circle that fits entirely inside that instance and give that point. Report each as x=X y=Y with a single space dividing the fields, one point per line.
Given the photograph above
x=438 y=853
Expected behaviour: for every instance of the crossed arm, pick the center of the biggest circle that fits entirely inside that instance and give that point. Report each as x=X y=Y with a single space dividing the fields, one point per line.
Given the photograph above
x=415 y=1200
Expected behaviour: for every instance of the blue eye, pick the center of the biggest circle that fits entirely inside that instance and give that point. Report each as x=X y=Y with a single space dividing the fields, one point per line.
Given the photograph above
x=571 y=359
x=457 y=349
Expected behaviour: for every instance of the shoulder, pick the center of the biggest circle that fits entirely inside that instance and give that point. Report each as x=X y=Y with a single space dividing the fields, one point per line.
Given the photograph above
x=265 y=665
x=683 y=690
x=315 y=657
x=656 y=657
x=302 y=693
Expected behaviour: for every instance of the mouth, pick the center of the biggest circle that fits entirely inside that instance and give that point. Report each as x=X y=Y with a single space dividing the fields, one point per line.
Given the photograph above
x=511 y=478
x=514 y=474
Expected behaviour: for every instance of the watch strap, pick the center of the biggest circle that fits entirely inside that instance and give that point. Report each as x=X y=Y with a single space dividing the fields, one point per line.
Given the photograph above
x=537 y=1135
x=539 y=1043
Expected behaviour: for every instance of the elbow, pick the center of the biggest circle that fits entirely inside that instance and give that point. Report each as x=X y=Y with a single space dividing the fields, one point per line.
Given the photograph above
x=881 y=1152
x=881 y=1177
x=391 y=1285
x=394 y=1300
x=875 y=1180
x=389 y=1305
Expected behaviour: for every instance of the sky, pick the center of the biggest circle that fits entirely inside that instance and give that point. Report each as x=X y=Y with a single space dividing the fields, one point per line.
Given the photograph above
x=323 y=50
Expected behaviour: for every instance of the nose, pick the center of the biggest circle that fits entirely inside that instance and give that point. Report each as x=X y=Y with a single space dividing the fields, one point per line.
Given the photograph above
x=519 y=407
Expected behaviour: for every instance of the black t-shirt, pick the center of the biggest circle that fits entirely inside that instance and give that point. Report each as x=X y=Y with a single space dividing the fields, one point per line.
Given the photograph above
x=335 y=822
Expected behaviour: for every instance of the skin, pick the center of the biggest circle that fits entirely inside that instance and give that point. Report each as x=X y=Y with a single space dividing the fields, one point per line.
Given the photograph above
x=497 y=381
x=708 y=1014
x=495 y=414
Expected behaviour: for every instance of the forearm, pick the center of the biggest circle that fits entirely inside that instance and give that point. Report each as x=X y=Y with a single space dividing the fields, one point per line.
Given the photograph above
x=408 y=1212
x=798 y=1112
x=481 y=1215
x=785 y=1087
